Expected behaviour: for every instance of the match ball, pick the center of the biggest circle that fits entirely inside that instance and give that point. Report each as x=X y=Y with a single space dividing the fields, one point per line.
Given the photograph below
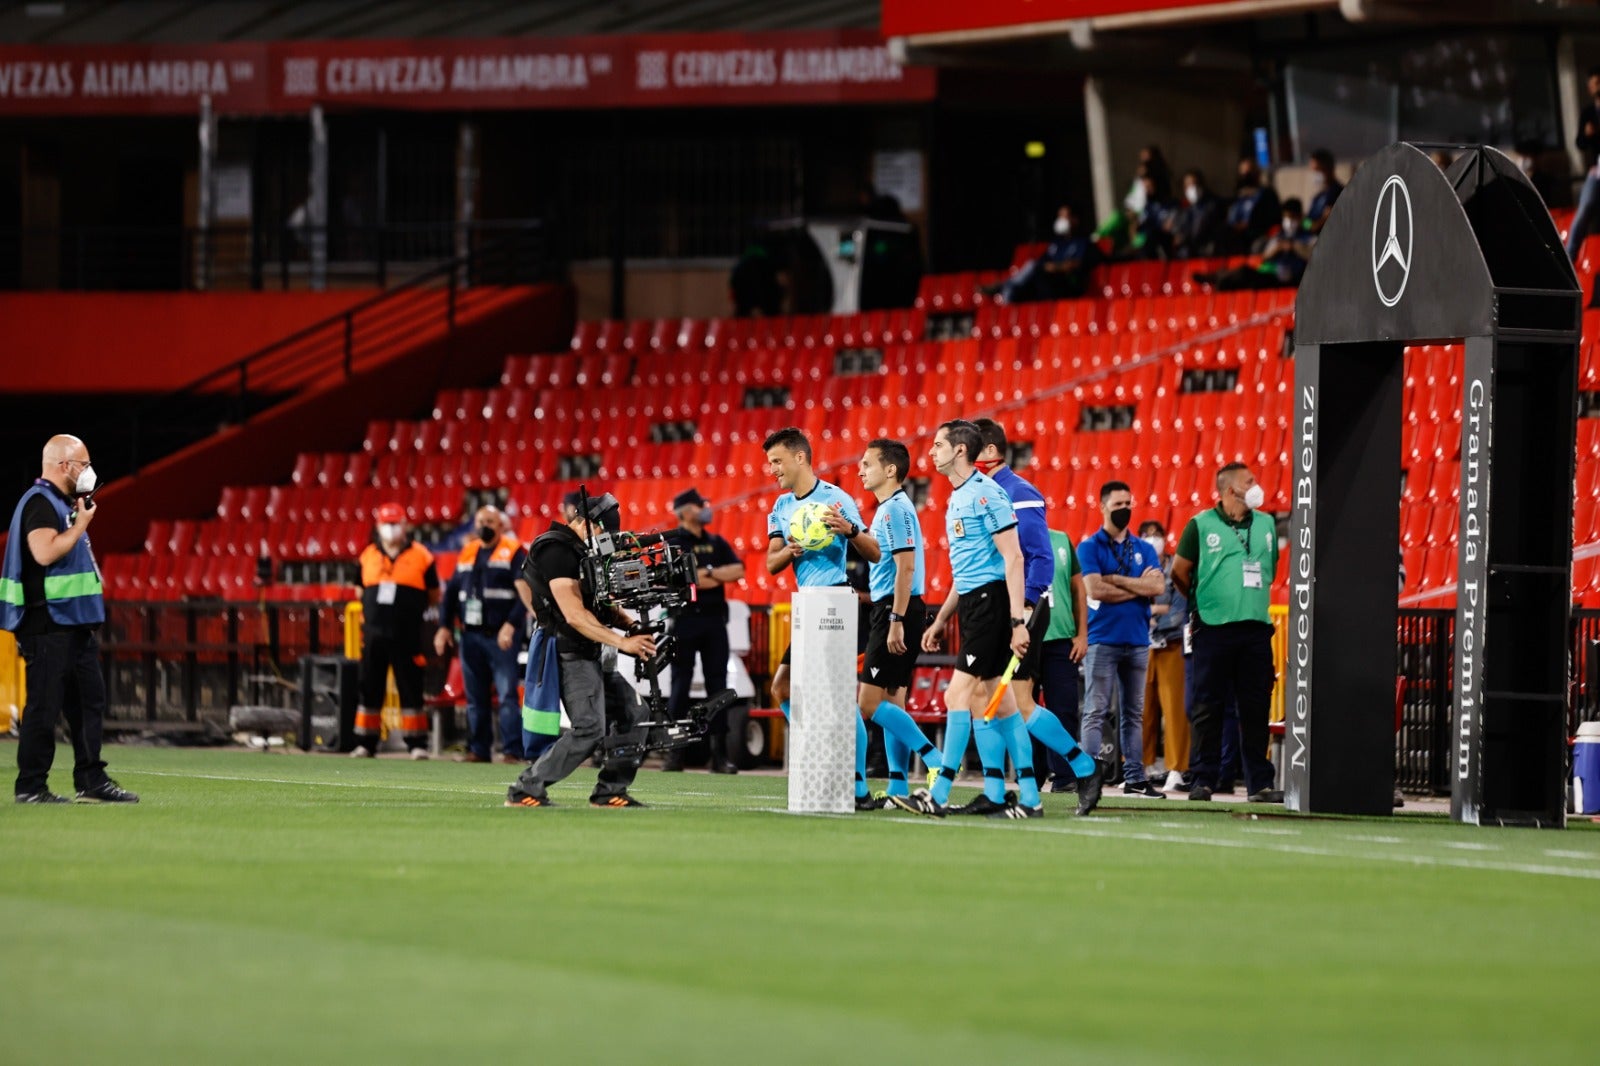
x=807 y=527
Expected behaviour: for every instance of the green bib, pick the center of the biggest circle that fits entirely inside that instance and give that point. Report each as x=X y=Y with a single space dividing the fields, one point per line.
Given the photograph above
x=1221 y=595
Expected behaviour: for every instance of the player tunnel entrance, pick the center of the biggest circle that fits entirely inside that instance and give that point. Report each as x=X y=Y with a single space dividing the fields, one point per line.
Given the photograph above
x=1413 y=255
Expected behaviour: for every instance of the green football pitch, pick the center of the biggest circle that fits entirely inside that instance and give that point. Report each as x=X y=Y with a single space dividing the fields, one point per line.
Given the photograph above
x=290 y=908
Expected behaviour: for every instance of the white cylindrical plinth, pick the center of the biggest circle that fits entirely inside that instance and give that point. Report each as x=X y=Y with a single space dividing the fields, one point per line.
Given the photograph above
x=822 y=701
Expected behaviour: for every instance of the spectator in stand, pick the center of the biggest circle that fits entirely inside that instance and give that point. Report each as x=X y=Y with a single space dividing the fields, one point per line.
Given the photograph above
x=1165 y=708
x=1121 y=576
x=483 y=595
x=1114 y=235
x=1325 y=190
x=1060 y=272
x=1152 y=228
x=754 y=285
x=1197 y=225
x=1588 y=142
x=1254 y=210
x=1551 y=188
x=1283 y=257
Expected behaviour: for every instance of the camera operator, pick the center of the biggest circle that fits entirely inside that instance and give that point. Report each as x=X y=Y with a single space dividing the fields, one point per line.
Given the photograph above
x=702 y=628
x=564 y=602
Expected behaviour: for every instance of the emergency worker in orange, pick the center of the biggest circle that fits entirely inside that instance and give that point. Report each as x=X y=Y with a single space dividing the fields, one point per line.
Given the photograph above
x=398 y=583
x=482 y=596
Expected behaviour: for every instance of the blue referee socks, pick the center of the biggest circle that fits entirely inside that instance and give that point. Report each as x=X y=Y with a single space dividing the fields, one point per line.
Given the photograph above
x=992 y=753
x=1048 y=730
x=784 y=707
x=861 y=755
x=896 y=723
x=899 y=757
x=1020 y=745
x=957 y=731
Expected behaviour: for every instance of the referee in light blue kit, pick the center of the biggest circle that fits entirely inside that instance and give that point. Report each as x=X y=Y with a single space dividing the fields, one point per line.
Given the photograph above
x=986 y=570
x=899 y=617
x=789 y=462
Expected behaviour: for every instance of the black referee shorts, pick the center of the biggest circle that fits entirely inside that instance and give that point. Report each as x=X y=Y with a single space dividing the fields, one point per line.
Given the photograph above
x=983 y=618
x=1028 y=668
x=881 y=666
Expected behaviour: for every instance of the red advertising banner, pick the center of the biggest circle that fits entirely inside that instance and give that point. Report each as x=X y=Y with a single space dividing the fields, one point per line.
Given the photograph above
x=131 y=79
x=909 y=18
x=716 y=69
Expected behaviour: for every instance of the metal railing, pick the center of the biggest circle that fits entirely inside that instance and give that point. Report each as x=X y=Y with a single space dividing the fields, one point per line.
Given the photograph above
x=246 y=256
x=345 y=344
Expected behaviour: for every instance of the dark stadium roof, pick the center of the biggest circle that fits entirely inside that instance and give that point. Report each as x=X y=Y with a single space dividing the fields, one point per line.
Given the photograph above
x=206 y=21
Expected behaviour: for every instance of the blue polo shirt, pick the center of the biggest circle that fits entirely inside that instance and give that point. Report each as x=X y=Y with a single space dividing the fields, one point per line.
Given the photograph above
x=1033 y=532
x=824 y=566
x=896 y=529
x=1118 y=623
x=978 y=509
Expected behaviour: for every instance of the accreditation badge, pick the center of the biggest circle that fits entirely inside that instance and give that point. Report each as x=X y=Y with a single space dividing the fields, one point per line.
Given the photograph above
x=1252 y=575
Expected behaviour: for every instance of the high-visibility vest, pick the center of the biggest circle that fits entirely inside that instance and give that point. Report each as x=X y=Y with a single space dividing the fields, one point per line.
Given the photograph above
x=72 y=587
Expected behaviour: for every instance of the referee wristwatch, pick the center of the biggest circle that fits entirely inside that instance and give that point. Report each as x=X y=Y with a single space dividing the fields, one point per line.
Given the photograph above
x=896 y=617
x=1015 y=622
x=855 y=531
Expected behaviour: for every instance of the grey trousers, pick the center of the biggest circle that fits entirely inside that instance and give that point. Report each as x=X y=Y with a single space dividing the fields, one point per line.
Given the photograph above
x=590 y=697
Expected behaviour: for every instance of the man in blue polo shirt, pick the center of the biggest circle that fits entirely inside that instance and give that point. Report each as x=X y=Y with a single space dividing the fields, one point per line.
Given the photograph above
x=1122 y=575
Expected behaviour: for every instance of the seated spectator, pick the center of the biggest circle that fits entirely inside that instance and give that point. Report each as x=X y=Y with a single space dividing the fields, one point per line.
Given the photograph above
x=1115 y=234
x=1150 y=234
x=1254 y=210
x=1325 y=189
x=1060 y=273
x=1197 y=225
x=754 y=286
x=1284 y=255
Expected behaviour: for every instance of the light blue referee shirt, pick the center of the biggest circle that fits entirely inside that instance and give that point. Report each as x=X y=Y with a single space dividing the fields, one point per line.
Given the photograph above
x=896 y=529
x=823 y=566
x=978 y=509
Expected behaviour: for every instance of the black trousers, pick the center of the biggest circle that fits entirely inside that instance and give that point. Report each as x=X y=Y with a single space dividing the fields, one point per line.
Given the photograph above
x=1232 y=661
x=378 y=657
x=63 y=678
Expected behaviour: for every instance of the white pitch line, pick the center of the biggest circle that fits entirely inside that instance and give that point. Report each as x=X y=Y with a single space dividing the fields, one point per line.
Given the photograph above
x=1243 y=843
x=1464 y=845
x=1258 y=844
x=1559 y=853
x=1374 y=840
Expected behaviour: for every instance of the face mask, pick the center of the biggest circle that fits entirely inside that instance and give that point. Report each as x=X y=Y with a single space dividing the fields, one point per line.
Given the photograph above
x=1121 y=517
x=390 y=532
x=86 y=482
x=1158 y=543
x=1063 y=227
x=1136 y=198
x=1290 y=226
x=1254 y=497
x=1319 y=181
x=988 y=466
x=1191 y=193
x=705 y=516
x=487 y=534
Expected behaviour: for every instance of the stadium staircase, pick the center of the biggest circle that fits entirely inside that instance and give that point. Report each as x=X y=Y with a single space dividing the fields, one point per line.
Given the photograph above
x=1152 y=379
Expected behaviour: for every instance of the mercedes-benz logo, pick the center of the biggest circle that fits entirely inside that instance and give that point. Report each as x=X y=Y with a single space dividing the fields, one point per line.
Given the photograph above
x=1392 y=244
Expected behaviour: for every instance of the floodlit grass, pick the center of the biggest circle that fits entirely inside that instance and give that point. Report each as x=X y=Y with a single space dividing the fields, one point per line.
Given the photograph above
x=291 y=908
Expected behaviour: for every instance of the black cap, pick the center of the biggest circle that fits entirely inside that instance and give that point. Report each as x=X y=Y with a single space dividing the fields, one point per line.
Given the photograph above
x=605 y=512
x=688 y=498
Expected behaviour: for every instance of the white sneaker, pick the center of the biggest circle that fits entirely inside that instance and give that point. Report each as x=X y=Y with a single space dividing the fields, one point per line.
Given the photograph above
x=419 y=754
x=360 y=751
x=1174 y=779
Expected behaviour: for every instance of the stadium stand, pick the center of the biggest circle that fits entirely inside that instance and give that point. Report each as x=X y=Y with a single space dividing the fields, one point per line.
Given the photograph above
x=1154 y=378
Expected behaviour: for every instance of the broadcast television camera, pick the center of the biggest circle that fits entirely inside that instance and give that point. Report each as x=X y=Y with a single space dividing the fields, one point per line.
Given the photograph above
x=647 y=576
